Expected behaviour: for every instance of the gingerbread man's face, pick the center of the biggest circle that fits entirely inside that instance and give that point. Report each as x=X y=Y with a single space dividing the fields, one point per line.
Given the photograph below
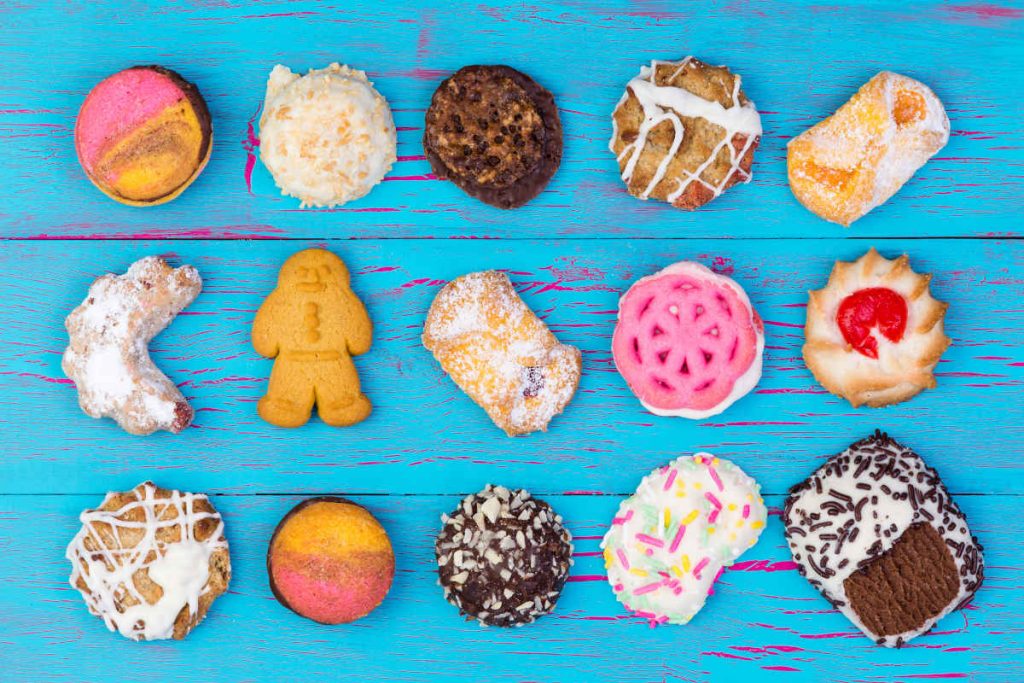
x=312 y=272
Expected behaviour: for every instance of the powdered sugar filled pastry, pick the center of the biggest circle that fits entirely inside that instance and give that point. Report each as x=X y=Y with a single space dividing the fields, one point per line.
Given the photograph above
x=500 y=353
x=684 y=132
x=688 y=342
x=860 y=156
x=326 y=137
x=875 y=333
x=108 y=354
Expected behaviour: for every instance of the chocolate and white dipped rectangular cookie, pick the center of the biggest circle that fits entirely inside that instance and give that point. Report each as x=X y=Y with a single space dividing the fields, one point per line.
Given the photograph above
x=877 y=533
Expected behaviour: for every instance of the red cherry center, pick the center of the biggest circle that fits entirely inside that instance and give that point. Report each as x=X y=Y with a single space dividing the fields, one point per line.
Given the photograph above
x=867 y=309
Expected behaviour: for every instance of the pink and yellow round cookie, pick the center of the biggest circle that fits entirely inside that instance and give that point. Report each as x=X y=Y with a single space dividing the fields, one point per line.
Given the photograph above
x=143 y=135
x=330 y=560
x=688 y=342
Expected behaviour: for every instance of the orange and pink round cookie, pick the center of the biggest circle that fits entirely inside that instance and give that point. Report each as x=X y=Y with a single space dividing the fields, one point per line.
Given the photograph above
x=330 y=560
x=143 y=135
x=688 y=342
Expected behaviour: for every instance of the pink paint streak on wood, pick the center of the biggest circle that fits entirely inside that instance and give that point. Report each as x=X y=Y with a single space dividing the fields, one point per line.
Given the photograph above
x=984 y=11
x=249 y=144
x=763 y=566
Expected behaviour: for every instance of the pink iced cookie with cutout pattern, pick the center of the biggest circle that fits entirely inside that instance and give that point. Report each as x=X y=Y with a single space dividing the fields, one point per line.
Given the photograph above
x=688 y=342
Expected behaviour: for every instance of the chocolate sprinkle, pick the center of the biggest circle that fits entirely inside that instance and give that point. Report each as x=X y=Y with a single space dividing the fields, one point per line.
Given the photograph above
x=918 y=561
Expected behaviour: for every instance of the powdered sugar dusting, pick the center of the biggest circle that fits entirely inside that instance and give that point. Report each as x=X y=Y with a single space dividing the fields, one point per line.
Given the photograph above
x=108 y=355
x=500 y=353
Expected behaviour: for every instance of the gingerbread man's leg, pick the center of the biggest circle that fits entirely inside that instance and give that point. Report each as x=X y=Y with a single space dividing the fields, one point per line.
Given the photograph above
x=289 y=399
x=339 y=400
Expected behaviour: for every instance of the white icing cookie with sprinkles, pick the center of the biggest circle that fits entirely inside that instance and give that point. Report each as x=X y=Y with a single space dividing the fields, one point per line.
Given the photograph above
x=684 y=132
x=670 y=541
x=150 y=561
x=877 y=533
x=874 y=334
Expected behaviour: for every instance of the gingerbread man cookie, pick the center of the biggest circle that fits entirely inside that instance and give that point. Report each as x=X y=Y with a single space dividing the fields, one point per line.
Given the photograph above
x=312 y=325
x=108 y=354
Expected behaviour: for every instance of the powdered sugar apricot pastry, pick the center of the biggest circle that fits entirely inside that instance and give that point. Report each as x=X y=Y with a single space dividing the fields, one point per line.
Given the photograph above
x=688 y=342
x=500 y=353
x=875 y=333
x=859 y=157
x=108 y=354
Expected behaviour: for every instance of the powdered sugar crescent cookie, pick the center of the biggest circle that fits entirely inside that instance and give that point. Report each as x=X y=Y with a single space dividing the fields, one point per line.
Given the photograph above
x=108 y=354
x=150 y=561
x=688 y=342
x=877 y=533
x=327 y=137
x=500 y=353
x=670 y=541
x=859 y=157
x=684 y=132
x=875 y=333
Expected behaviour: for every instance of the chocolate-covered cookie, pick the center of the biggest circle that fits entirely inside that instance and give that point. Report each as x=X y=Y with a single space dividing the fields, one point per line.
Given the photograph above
x=494 y=132
x=877 y=533
x=503 y=557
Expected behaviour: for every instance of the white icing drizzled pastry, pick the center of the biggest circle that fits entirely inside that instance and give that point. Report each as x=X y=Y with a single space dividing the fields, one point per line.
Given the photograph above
x=684 y=132
x=874 y=334
x=150 y=561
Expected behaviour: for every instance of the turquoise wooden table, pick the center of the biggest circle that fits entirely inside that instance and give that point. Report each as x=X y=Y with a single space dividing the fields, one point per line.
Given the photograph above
x=570 y=253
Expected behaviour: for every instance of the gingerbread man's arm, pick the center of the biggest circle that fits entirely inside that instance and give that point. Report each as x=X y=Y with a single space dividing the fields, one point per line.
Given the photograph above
x=359 y=328
x=265 y=338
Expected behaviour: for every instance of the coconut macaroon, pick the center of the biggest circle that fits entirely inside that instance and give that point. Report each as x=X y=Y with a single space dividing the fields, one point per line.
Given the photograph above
x=327 y=137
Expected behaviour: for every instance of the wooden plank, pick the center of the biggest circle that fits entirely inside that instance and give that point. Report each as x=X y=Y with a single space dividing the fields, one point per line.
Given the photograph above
x=426 y=436
x=764 y=618
x=799 y=62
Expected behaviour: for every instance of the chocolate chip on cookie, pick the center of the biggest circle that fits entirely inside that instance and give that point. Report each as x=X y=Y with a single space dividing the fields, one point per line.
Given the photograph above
x=495 y=133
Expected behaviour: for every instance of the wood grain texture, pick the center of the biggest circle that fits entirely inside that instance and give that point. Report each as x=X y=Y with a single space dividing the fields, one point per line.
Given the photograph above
x=798 y=63
x=424 y=432
x=763 y=620
x=570 y=253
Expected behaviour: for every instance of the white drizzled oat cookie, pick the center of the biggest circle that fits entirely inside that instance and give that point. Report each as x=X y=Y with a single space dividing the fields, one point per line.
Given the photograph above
x=876 y=532
x=108 y=354
x=684 y=132
x=500 y=353
x=150 y=561
x=503 y=557
x=326 y=137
